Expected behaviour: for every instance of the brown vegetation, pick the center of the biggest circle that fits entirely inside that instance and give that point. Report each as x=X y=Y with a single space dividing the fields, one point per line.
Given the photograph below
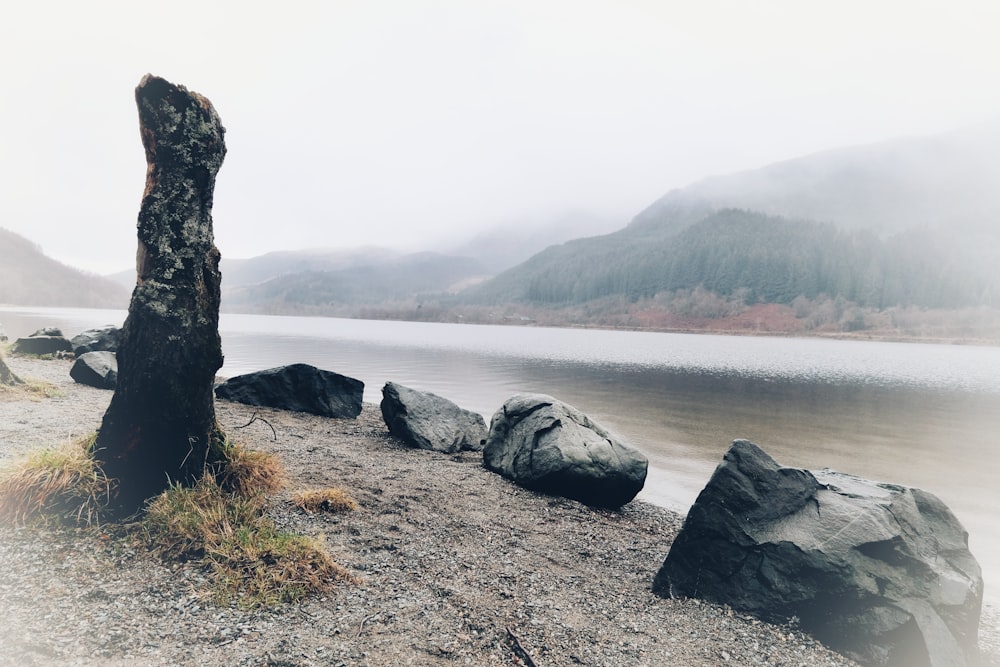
x=325 y=500
x=700 y=311
x=219 y=522
x=252 y=561
x=61 y=485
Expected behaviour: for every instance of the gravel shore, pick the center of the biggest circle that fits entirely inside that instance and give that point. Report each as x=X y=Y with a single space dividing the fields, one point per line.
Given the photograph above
x=458 y=567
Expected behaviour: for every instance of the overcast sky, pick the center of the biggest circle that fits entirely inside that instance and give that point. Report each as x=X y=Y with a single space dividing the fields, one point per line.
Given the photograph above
x=415 y=123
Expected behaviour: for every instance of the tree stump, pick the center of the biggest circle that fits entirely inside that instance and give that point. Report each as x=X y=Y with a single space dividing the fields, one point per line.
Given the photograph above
x=160 y=427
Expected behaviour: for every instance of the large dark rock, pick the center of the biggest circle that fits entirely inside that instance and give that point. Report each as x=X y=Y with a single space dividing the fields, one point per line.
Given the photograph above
x=879 y=572
x=96 y=369
x=298 y=387
x=41 y=344
x=103 y=339
x=428 y=421
x=546 y=445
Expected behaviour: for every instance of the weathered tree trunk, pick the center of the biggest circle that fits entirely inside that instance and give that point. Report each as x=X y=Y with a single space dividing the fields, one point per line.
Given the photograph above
x=160 y=426
x=7 y=376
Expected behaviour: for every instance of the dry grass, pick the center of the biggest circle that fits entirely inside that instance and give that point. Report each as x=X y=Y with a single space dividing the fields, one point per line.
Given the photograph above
x=219 y=521
x=34 y=390
x=249 y=473
x=252 y=561
x=325 y=500
x=63 y=485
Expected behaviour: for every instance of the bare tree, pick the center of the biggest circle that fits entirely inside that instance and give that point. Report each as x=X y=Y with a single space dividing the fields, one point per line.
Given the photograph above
x=160 y=426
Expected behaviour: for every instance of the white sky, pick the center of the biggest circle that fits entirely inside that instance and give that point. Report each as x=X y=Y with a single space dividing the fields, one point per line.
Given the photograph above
x=410 y=123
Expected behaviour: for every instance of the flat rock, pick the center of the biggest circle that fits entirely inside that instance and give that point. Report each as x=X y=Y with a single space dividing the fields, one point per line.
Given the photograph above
x=41 y=344
x=297 y=387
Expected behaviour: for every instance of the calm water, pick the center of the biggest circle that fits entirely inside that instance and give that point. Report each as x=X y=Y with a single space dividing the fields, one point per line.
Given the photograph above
x=921 y=415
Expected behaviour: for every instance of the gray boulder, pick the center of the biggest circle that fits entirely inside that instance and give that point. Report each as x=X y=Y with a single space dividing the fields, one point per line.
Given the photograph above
x=96 y=369
x=879 y=572
x=41 y=344
x=428 y=421
x=546 y=445
x=103 y=339
x=298 y=387
x=3 y=335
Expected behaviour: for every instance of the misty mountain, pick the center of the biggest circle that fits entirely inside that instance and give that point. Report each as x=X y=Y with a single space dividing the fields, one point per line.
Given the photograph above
x=906 y=222
x=947 y=180
x=240 y=272
x=29 y=278
x=762 y=259
x=505 y=246
x=381 y=278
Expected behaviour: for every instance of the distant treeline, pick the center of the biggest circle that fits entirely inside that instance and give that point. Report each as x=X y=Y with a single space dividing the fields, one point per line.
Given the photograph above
x=326 y=292
x=758 y=258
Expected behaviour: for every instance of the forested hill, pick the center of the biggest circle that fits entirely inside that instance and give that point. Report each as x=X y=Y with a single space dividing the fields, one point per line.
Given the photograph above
x=758 y=258
x=909 y=222
x=29 y=278
x=340 y=291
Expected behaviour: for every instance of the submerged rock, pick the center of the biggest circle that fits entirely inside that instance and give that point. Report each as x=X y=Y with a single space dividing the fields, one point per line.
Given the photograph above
x=879 y=572
x=545 y=445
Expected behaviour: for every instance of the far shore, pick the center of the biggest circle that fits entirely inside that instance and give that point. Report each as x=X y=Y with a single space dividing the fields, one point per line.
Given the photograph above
x=986 y=335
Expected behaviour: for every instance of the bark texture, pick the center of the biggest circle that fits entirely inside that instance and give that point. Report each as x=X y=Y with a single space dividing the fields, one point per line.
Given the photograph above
x=160 y=426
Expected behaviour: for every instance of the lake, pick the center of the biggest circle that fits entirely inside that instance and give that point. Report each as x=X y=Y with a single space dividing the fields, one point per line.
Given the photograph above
x=915 y=414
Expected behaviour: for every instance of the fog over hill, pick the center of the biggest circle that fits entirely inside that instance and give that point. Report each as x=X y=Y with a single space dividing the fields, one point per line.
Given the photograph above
x=357 y=281
x=947 y=180
x=909 y=222
x=29 y=278
x=504 y=246
x=912 y=221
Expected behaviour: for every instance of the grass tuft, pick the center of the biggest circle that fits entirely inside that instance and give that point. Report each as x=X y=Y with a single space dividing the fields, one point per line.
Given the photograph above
x=249 y=473
x=34 y=390
x=326 y=500
x=219 y=521
x=63 y=485
x=253 y=562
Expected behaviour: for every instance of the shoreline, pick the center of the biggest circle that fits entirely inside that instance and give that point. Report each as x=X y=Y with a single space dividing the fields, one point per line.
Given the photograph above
x=869 y=335
x=459 y=566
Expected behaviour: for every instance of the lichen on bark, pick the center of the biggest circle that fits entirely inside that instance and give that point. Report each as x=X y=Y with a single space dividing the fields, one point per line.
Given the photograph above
x=160 y=426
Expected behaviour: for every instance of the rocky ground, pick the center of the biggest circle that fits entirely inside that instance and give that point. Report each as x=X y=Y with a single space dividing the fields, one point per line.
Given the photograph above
x=458 y=567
